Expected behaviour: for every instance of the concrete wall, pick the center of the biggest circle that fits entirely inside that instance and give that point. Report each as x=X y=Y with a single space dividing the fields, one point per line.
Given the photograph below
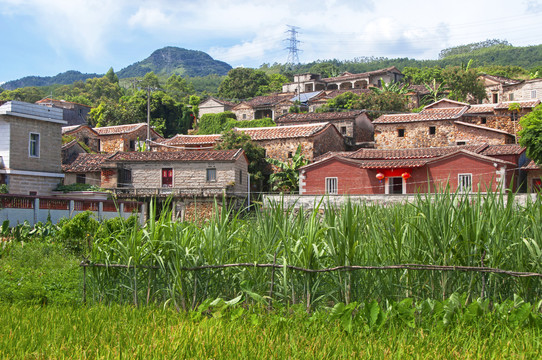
x=26 y=184
x=90 y=178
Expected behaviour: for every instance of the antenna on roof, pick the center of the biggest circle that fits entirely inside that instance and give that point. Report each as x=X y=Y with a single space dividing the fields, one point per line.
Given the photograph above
x=293 y=51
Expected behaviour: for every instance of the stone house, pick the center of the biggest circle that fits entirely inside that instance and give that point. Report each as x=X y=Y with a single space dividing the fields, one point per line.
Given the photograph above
x=30 y=157
x=411 y=171
x=111 y=138
x=355 y=126
x=281 y=142
x=73 y=113
x=213 y=105
x=445 y=123
x=83 y=168
x=309 y=82
x=187 y=142
x=500 y=89
x=534 y=177
x=263 y=107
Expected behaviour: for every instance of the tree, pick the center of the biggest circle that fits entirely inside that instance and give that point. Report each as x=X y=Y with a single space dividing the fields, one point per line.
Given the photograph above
x=530 y=135
x=214 y=123
x=29 y=94
x=179 y=88
x=150 y=80
x=242 y=83
x=392 y=87
x=287 y=178
x=111 y=76
x=435 y=91
x=238 y=140
x=464 y=84
x=274 y=86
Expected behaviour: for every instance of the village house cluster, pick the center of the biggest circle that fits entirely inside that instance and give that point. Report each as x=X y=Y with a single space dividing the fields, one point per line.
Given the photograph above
x=448 y=143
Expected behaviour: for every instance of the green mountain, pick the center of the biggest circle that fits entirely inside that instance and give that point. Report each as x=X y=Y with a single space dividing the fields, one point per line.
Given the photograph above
x=65 y=78
x=164 y=62
x=173 y=60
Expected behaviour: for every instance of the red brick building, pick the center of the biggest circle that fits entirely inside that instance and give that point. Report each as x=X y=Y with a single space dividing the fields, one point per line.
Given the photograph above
x=408 y=171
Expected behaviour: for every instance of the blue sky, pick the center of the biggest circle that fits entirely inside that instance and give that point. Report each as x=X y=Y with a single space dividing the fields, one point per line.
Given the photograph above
x=46 y=37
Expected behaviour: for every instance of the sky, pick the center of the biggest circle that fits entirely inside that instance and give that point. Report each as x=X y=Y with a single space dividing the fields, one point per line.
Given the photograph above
x=47 y=37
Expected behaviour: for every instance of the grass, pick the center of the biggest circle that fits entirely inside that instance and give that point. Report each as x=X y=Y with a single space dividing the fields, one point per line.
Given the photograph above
x=114 y=332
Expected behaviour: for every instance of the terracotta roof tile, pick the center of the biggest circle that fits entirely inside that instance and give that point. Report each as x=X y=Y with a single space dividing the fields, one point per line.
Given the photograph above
x=501 y=79
x=417 y=153
x=69 y=129
x=392 y=164
x=531 y=166
x=181 y=139
x=84 y=163
x=318 y=117
x=523 y=104
x=284 y=132
x=270 y=100
x=481 y=127
x=450 y=113
x=119 y=129
x=481 y=108
x=186 y=156
x=510 y=149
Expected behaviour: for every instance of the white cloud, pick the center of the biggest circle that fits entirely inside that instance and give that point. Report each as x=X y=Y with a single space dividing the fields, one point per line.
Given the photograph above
x=150 y=18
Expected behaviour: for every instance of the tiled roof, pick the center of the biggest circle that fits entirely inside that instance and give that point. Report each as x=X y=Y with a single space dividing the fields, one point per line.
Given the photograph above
x=481 y=127
x=523 y=104
x=270 y=100
x=68 y=129
x=330 y=94
x=510 y=149
x=392 y=164
x=330 y=154
x=59 y=102
x=84 y=163
x=284 y=132
x=531 y=166
x=481 y=108
x=203 y=155
x=501 y=79
x=319 y=117
x=361 y=75
x=417 y=153
x=220 y=101
x=450 y=113
x=119 y=129
x=181 y=139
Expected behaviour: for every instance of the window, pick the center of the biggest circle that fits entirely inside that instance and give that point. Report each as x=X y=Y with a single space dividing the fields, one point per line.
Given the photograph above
x=483 y=120
x=464 y=182
x=401 y=132
x=332 y=185
x=537 y=185
x=514 y=116
x=284 y=111
x=85 y=140
x=511 y=97
x=395 y=185
x=80 y=178
x=459 y=143
x=211 y=174
x=244 y=116
x=167 y=177
x=132 y=145
x=533 y=94
x=379 y=83
x=432 y=130
x=240 y=177
x=290 y=154
x=495 y=98
x=124 y=177
x=343 y=130
x=34 y=145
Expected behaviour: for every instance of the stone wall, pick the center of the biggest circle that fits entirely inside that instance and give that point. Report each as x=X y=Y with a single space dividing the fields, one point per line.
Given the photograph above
x=24 y=184
x=244 y=113
x=87 y=137
x=524 y=91
x=447 y=133
x=90 y=178
x=50 y=139
x=121 y=142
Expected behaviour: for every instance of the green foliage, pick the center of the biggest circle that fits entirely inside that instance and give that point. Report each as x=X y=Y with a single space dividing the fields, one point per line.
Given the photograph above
x=242 y=83
x=530 y=134
x=78 y=187
x=470 y=48
x=286 y=179
x=275 y=82
x=26 y=94
x=76 y=234
x=464 y=84
x=376 y=103
x=65 y=78
x=150 y=80
x=214 y=123
x=111 y=76
x=508 y=71
x=420 y=76
x=238 y=140
x=39 y=273
x=179 y=88
x=326 y=70
x=4 y=189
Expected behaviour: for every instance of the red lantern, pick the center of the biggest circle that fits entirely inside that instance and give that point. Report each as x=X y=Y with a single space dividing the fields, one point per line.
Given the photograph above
x=405 y=175
x=380 y=176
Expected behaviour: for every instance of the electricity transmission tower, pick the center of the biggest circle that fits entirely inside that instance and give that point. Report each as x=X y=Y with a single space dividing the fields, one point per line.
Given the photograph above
x=293 y=51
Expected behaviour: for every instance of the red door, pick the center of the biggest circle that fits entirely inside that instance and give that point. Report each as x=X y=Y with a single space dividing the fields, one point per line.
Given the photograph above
x=167 y=177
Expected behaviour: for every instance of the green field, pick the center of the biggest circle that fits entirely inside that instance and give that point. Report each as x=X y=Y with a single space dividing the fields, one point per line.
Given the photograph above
x=117 y=332
x=170 y=297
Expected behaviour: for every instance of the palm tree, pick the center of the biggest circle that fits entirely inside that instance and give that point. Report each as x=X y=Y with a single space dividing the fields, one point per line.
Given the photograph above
x=287 y=178
x=393 y=87
x=434 y=91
